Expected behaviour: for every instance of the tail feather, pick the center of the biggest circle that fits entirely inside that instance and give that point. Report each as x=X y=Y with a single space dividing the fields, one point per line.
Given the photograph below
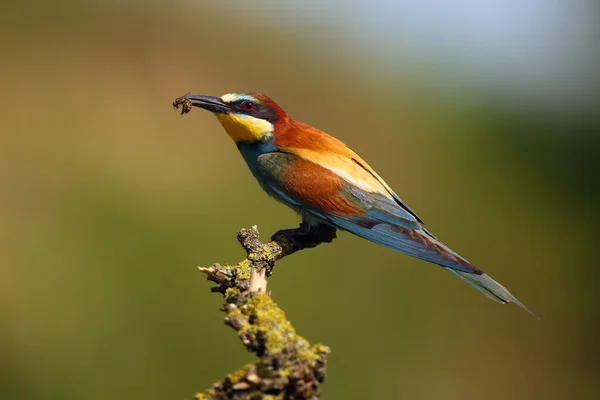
x=490 y=288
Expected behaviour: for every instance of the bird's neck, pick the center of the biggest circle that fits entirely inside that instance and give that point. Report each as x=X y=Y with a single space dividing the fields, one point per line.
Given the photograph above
x=251 y=150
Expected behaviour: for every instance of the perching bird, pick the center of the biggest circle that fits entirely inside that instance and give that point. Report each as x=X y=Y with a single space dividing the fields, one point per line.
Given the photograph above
x=330 y=185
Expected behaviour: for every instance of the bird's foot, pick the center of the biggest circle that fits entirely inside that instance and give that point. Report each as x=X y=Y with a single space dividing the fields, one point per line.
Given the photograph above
x=308 y=234
x=303 y=229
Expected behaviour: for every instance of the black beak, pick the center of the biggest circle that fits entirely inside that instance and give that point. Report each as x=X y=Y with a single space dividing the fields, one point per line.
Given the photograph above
x=210 y=103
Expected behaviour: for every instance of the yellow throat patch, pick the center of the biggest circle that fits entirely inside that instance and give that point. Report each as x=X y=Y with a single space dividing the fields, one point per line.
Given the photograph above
x=244 y=128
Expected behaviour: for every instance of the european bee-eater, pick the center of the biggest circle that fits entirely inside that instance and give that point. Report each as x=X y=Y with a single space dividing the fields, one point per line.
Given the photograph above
x=328 y=184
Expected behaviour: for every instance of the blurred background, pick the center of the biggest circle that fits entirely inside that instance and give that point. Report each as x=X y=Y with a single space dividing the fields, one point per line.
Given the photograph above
x=483 y=116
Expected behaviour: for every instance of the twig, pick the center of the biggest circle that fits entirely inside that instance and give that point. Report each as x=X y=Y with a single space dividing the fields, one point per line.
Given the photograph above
x=288 y=366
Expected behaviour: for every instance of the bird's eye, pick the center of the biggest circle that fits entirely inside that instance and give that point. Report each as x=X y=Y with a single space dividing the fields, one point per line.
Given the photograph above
x=247 y=105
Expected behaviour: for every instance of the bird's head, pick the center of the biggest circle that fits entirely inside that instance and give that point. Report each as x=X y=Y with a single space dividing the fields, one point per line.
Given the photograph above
x=247 y=117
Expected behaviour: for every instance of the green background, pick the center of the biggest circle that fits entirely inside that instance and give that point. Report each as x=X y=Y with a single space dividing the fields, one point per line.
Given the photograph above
x=109 y=200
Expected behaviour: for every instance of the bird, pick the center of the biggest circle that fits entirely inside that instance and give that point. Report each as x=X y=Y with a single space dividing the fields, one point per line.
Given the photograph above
x=330 y=185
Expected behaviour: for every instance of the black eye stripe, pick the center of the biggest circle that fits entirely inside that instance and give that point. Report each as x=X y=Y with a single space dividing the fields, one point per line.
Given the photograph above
x=248 y=105
x=255 y=109
x=245 y=105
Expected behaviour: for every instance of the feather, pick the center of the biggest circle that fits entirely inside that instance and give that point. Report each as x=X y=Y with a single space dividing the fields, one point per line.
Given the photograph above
x=325 y=150
x=318 y=191
x=492 y=289
x=322 y=195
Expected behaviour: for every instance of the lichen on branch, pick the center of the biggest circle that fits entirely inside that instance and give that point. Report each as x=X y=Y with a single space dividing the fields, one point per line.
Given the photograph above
x=288 y=367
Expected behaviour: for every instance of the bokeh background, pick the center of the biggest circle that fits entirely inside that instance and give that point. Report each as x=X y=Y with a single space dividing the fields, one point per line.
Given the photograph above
x=482 y=115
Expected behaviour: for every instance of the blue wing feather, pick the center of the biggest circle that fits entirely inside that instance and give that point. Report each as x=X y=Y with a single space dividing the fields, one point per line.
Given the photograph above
x=378 y=205
x=386 y=221
x=414 y=242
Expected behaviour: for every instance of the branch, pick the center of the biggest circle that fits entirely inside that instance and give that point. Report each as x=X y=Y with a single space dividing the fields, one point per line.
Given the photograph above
x=288 y=366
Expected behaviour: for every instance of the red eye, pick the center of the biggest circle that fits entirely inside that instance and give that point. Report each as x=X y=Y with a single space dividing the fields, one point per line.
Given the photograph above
x=248 y=105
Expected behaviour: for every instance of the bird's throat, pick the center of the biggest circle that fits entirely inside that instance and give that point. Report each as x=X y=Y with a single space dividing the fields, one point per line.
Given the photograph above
x=244 y=128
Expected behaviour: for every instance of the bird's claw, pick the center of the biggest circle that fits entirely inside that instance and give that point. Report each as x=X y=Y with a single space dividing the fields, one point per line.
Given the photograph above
x=302 y=230
x=307 y=233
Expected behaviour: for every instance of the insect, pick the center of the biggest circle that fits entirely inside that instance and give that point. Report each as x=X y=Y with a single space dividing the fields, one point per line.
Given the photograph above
x=184 y=103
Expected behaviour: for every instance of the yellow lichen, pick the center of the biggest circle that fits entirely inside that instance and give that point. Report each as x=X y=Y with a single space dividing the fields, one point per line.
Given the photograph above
x=233 y=312
x=320 y=349
x=231 y=294
x=237 y=376
x=270 y=325
x=266 y=254
x=263 y=328
x=205 y=396
x=305 y=353
x=242 y=270
x=274 y=342
x=268 y=328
